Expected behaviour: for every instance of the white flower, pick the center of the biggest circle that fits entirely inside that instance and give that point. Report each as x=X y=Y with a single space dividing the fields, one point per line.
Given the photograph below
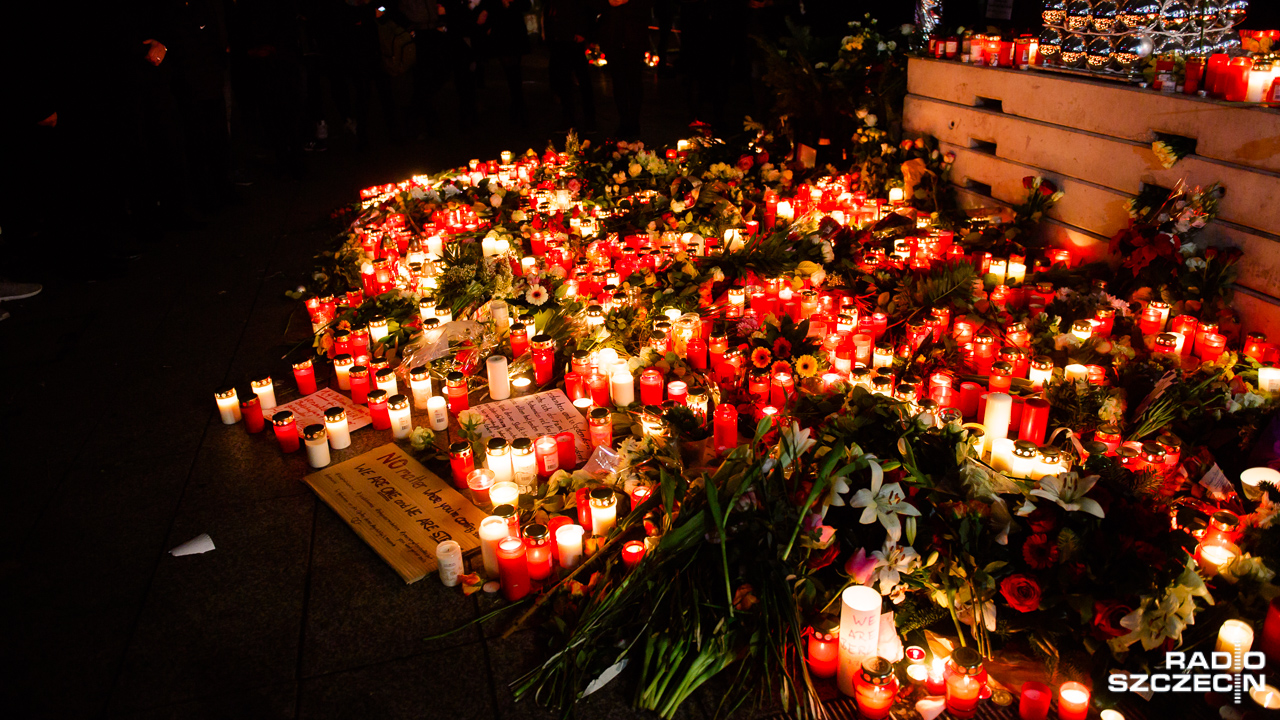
x=1066 y=341
x=818 y=277
x=892 y=45
x=891 y=563
x=536 y=295
x=881 y=47
x=619 y=177
x=794 y=443
x=717 y=274
x=556 y=270
x=1068 y=491
x=634 y=169
x=495 y=200
x=828 y=253
x=417 y=193
x=871 y=121
x=907 y=29
x=677 y=206
x=883 y=502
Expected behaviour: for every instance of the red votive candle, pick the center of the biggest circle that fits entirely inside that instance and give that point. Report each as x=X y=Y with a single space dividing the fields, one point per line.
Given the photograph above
x=287 y=431
x=574 y=386
x=519 y=340
x=632 y=553
x=697 y=353
x=461 y=463
x=359 y=379
x=1001 y=377
x=875 y=688
x=251 y=411
x=1034 y=704
x=1271 y=631
x=599 y=383
x=1035 y=420
x=513 y=569
x=547 y=452
x=970 y=394
x=1211 y=346
x=378 y=410
x=1073 y=701
x=455 y=386
x=678 y=392
x=725 y=427
x=781 y=388
x=544 y=354
x=304 y=373
x=537 y=550
x=651 y=387
x=824 y=648
x=566 y=451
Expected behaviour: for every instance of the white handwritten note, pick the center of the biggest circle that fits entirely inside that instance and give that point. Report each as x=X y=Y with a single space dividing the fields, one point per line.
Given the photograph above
x=310 y=409
x=545 y=413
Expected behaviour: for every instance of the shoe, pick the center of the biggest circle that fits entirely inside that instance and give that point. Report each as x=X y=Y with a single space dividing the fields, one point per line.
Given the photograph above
x=18 y=291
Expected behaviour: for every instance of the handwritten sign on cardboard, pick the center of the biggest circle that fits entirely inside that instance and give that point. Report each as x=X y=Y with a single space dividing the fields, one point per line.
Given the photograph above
x=310 y=409
x=400 y=508
x=545 y=413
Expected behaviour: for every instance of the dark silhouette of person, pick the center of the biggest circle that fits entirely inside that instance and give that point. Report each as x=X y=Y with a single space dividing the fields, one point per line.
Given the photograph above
x=624 y=38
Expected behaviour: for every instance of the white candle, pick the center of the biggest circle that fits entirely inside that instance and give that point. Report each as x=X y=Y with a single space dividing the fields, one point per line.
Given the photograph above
x=489 y=247
x=1266 y=696
x=1269 y=379
x=499 y=377
x=1016 y=274
x=1235 y=637
x=500 y=313
x=896 y=195
x=342 y=370
x=401 y=419
x=317 y=442
x=449 y=562
x=385 y=379
x=998 y=268
x=1002 y=454
x=606 y=358
x=377 y=329
x=420 y=385
x=493 y=530
x=228 y=405
x=1039 y=376
x=996 y=419
x=604 y=511
x=523 y=459
x=438 y=413
x=498 y=459
x=435 y=246
x=1076 y=371
x=622 y=386
x=504 y=492
x=859 y=633
x=569 y=545
x=266 y=392
x=335 y=426
x=1253 y=478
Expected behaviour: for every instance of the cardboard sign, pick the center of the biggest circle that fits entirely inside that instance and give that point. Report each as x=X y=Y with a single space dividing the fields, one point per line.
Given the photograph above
x=310 y=409
x=545 y=413
x=400 y=508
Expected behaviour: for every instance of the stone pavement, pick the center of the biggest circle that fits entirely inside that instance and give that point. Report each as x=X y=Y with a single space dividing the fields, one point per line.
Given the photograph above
x=114 y=454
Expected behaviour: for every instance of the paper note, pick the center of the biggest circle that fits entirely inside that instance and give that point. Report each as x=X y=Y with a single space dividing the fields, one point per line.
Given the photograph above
x=310 y=409
x=400 y=508
x=545 y=413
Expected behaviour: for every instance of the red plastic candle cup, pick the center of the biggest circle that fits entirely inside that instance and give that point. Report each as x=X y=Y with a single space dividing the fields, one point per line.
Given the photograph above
x=461 y=463
x=1035 y=420
x=519 y=340
x=1034 y=704
x=455 y=387
x=875 y=688
x=1213 y=74
x=824 y=649
x=1236 y=79
x=479 y=481
x=251 y=411
x=1073 y=701
x=544 y=354
x=782 y=387
x=538 y=551
x=1271 y=631
x=678 y=392
x=1211 y=347
x=566 y=451
x=1001 y=378
x=304 y=373
x=286 y=430
x=599 y=383
x=600 y=428
x=513 y=569
x=632 y=553
x=970 y=394
x=547 y=453
x=725 y=428
x=359 y=378
x=936 y=681
x=697 y=353
x=575 y=386
x=640 y=495
x=651 y=387
x=378 y=412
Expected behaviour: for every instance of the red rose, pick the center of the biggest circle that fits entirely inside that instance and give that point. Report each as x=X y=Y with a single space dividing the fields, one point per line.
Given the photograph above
x=1107 y=615
x=1022 y=592
x=1028 y=181
x=1047 y=188
x=745 y=162
x=825 y=558
x=763 y=157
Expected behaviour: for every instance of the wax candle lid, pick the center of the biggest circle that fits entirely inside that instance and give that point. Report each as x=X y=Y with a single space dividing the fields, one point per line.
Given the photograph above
x=284 y=417
x=543 y=342
x=522 y=445
x=343 y=359
x=599 y=413
x=419 y=373
x=397 y=402
x=334 y=414
x=877 y=670
x=1104 y=312
x=384 y=373
x=314 y=432
x=1042 y=362
x=536 y=532
x=1225 y=520
x=1002 y=368
x=377 y=396
x=425 y=304
x=377 y=321
x=1127 y=453
x=302 y=364
x=431 y=322
x=377 y=362
x=249 y=402
x=517 y=327
x=262 y=382
x=224 y=393
x=967 y=660
x=698 y=393
x=497 y=445
x=359 y=371
x=444 y=310
x=505 y=511
x=1152 y=450
x=454 y=377
x=1049 y=453
x=1025 y=449
x=1094 y=447
x=1170 y=441
x=460 y=449
x=602 y=496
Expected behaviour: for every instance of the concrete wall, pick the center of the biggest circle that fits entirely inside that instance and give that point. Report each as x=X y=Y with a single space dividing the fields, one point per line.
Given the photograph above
x=1093 y=138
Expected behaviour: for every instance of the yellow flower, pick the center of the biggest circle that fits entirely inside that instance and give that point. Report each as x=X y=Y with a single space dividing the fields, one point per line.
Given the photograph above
x=806 y=366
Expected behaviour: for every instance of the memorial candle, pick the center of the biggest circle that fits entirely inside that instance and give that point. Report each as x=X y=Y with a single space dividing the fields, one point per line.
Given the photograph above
x=286 y=430
x=651 y=387
x=228 y=405
x=378 y=412
x=479 y=481
x=547 y=454
x=251 y=412
x=1073 y=701
x=604 y=511
x=569 y=545
x=876 y=687
x=342 y=365
x=1036 y=697
x=678 y=392
x=519 y=338
x=498 y=459
x=566 y=450
x=600 y=428
x=782 y=387
x=598 y=382
x=997 y=416
x=859 y=633
x=537 y=541
x=632 y=553
x=1271 y=631
x=936 y=680
x=1235 y=638
x=725 y=428
x=964 y=685
x=317 y=441
x=513 y=568
x=499 y=377
x=544 y=351
x=824 y=644
x=493 y=530
x=304 y=374
x=401 y=419
x=359 y=380
x=455 y=384
x=622 y=388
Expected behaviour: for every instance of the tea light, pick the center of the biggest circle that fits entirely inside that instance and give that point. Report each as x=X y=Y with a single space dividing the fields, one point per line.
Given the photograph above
x=493 y=530
x=1235 y=637
x=401 y=420
x=504 y=492
x=1110 y=714
x=1076 y=371
x=1073 y=701
x=569 y=545
x=228 y=405
x=1268 y=379
x=499 y=377
x=1266 y=697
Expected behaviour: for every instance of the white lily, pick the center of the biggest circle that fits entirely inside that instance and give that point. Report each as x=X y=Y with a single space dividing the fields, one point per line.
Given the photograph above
x=883 y=502
x=1068 y=490
x=890 y=564
x=795 y=442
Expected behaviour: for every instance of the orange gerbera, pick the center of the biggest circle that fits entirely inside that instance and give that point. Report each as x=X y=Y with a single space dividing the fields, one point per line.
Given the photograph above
x=760 y=357
x=806 y=366
x=780 y=367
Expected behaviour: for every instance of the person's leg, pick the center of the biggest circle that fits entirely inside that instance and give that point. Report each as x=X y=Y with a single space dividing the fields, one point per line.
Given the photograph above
x=581 y=69
x=560 y=78
x=512 y=71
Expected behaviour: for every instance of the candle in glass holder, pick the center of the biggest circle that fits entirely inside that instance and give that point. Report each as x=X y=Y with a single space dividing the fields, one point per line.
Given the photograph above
x=604 y=511
x=538 y=549
x=875 y=688
x=678 y=392
x=1267 y=698
x=461 y=463
x=455 y=385
x=401 y=419
x=566 y=450
x=824 y=643
x=1235 y=638
x=600 y=428
x=547 y=454
x=964 y=682
x=936 y=680
x=378 y=412
x=479 y=481
x=859 y=633
x=286 y=430
x=632 y=553
x=1211 y=346
x=651 y=387
x=1001 y=377
x=304 y=374
x=725 y=427
x=498 y=459
x=1036 y=697
x=493 y=530
x=228 y=405
x=782 y=387
x=499 y=377
x=513 y=568
x=598 y=383
x=504 y=492
x=1025 y=456
x=1073 y=701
